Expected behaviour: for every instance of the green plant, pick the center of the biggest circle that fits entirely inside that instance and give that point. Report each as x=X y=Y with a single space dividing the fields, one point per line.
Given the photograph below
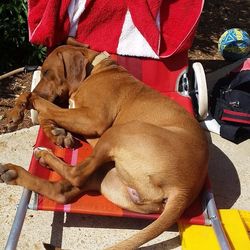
x=16 y=50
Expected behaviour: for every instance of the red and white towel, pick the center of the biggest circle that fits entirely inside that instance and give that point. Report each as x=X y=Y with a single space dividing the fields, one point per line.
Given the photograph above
x=147 y=28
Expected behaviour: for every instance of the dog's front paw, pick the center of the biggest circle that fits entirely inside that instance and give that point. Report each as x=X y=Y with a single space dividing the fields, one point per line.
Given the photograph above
x=63 y=138
x=39 y=153
x=8 y=174
x=13 y=118
x=58 y=136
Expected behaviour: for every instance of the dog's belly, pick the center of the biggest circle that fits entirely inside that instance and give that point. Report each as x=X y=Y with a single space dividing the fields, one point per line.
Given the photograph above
x=115 y=190
x=139 y=174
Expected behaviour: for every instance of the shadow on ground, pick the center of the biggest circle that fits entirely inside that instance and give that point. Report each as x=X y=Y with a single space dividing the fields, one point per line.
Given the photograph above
x=8 y=88
x=78 y=220
x=224 y=178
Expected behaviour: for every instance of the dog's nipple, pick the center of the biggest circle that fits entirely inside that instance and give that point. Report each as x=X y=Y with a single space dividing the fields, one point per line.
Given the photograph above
x=134 y=195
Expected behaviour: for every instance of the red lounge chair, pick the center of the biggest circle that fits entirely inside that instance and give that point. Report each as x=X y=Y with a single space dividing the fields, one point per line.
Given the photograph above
x=168 y=75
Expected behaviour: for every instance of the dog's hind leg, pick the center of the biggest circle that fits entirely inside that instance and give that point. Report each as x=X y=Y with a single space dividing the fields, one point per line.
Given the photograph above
x=15 y=175
x=105 y=179
x=61 y=191
x=76 y=175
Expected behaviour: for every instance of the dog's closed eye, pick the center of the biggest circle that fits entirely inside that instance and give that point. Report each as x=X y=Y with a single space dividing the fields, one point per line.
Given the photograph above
x=45 y=72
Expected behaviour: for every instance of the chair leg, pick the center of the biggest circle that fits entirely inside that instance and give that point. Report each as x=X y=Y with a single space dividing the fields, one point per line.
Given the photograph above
x=18 y=221
x=216 y=223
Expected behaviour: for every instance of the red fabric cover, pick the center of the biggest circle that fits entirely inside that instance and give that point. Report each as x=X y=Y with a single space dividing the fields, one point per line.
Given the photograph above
x=162 y=75
x=49 y=23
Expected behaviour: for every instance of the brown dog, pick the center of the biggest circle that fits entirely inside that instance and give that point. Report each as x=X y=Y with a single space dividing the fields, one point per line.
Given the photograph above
x=159 y=151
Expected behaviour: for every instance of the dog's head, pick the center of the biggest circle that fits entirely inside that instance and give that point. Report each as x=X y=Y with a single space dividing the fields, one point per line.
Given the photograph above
x=62 y=72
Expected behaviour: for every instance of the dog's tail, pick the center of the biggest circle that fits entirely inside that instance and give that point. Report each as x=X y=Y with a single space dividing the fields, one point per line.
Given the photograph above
x=174 y=208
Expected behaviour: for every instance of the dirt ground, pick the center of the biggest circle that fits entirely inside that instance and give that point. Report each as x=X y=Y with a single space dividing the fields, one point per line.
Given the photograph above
x=217 y=16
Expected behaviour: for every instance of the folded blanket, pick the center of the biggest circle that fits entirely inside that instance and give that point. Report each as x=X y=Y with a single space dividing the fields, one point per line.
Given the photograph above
x=148 y=28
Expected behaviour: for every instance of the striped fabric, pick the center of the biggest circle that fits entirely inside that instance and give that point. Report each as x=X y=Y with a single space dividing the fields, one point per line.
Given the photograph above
x=235 y=116
x=162 y=75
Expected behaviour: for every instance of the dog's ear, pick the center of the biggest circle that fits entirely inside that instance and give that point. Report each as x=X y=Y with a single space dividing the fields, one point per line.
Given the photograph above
x=74 y=63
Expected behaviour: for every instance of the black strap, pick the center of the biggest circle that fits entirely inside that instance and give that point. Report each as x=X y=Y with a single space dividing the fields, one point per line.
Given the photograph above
x=215 y=76
x=234 y=133
x=28 y=68
x=242 y=77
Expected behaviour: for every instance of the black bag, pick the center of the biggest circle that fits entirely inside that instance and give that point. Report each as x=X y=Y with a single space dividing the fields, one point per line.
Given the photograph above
x=230 y=103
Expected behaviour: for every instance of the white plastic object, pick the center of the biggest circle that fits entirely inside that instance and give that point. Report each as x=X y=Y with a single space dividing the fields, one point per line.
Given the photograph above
x=200 y=86
x=211 y=125
x=35 y=80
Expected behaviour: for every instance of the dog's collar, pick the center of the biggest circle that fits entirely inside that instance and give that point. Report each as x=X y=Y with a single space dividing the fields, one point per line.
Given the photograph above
x=100 y=57
x=103 y=55
x=72 y=104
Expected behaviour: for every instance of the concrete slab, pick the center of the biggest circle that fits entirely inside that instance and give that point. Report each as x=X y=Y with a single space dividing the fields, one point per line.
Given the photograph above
x=229 y=173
